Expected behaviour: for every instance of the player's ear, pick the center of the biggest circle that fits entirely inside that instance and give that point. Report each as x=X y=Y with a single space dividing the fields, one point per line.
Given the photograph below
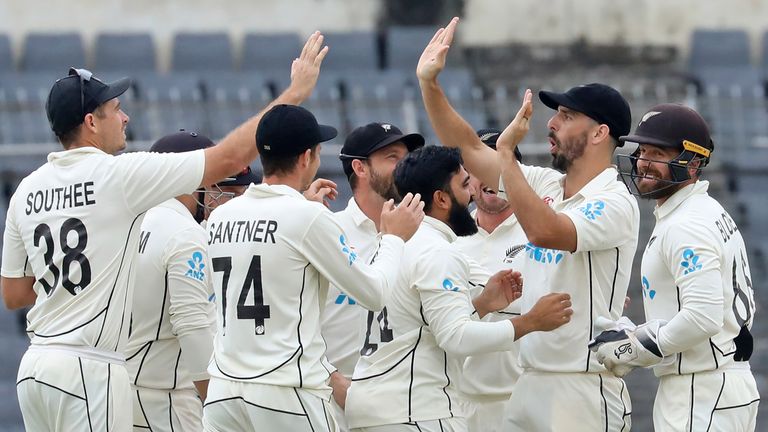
x=305 y=158
x=441 y=199
x=358 y=167
x=89 y=122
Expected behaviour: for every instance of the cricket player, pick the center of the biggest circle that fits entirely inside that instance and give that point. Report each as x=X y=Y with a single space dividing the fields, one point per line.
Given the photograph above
x=581 y=240
x=487 y=380
x=71 y=235
x=410 y=382
x=170 y=339
x=369 y=156
x=273 y=253
x=697 y=288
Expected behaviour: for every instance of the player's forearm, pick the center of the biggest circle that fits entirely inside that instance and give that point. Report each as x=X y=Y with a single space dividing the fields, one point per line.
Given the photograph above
x=542 y=225
x=476 y=337
x=454 y=131
x=18 y=292
x=196 y=349
x=693 y=325
x=381 y=275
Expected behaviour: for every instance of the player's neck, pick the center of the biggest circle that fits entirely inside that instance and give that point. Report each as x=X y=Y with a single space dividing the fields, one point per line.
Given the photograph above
x=582 y=171
x=370 y=204
x=189 y=202
x=490 y=221
x=291 y=180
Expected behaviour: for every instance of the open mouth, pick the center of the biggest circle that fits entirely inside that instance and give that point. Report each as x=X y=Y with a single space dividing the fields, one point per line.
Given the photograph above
x=488 y=191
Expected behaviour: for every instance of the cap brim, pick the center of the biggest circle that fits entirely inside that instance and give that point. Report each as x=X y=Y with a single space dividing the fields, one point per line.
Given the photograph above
x=639 y=139
x=554 y=100
x=327 y=133
x=115 y=89
x=412 y=142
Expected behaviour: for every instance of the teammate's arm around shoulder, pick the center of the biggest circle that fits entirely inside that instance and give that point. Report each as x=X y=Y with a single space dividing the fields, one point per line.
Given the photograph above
x=327 y=248
x=238 y=148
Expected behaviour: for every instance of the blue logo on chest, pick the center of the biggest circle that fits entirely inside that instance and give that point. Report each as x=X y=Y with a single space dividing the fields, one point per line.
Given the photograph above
x=449 y=286
x=196 y=267
x=543 y=255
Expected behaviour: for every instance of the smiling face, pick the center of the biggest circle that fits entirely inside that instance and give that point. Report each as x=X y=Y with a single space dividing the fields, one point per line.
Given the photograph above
x=486 y=198
x=653 y=168
x=382 y=164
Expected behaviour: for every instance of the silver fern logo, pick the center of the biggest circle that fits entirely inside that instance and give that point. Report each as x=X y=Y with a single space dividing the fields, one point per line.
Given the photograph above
x=512 y=252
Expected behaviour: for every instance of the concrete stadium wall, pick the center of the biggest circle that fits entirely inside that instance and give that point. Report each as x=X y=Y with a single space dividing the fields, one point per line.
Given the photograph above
x=486 y=22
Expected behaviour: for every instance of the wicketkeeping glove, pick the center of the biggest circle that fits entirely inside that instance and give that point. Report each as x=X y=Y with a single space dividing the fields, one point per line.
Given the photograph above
x=621 y=351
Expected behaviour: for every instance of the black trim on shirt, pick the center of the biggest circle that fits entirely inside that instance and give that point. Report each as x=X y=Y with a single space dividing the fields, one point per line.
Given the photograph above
x=141 y=363
x=714 y=407
x=410 y=381
x=591 y=319
x=256 y=376
x=176 y=370
x=680 y=354
x=298 y=326
x=613 y=284
x=85 y=393
x=252 y=404
x=605 y=401
x=445 y=370
x=51 y=386
x=109 y=382
x=396 y=364
x=162 y=306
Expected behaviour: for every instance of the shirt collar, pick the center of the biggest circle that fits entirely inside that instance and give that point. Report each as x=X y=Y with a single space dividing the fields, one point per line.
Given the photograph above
x=73 y=153
x=597 y=184
x=262 y=190
x=677 y=198
x=177 y=206
x=440 y=227
x=357 y=214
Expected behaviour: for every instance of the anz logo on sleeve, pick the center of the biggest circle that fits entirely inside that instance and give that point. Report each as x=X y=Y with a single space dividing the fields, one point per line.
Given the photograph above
x=196 y=266
x=690 y=261
x=593 y=210
x=348 y=250
x=543 y=255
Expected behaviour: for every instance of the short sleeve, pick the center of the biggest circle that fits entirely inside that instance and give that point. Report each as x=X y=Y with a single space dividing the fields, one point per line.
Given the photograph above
x=15 y=260
x=605 y=221
x=543 y=181
x=148 y=179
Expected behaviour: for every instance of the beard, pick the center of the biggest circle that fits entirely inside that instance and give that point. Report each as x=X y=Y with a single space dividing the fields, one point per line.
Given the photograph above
x=460 y=219
x=383 y=185
x=494 y=205
x=568 y=151
x=656 y=189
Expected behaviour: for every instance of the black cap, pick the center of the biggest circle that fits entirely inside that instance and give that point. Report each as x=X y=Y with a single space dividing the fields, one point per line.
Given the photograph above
x=69 y=100
x=364 y=140
x=180 y=142
x=289 y=130
x=489 y=136
x=673 y=126
x=243 y=178
x=602 y=103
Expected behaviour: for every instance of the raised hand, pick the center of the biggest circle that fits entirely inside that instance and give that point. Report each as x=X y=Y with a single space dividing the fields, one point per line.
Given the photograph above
x=518 y=127
x=321 y=190
x=432 y=60
x=403 y=220
x=306 y=68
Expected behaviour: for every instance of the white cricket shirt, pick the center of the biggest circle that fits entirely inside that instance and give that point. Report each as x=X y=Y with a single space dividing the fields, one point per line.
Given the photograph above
x=171 y=294
x=695 y=274
x=77 y=219
x=344 y=323
x=413 y=378
x=273 y=254
x=607 y=222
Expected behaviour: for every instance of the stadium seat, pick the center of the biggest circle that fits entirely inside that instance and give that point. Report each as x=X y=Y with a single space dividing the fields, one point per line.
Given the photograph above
x=351 y=51
x=718 y=48
x=233 y=98
x=268 y=52
x=729 y=78
x=22 y=108
x=167 y=103
x=404 y=46
x=6 y=56
x=198 y=52
x=128 y=52
x=383 y=96
x=52 y=52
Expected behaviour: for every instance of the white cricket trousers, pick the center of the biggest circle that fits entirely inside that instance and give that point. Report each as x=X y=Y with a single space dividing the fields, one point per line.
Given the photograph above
x=177 y=410
x=717 y=401
x=233 y=406
x=61 y=390
x=573 y=402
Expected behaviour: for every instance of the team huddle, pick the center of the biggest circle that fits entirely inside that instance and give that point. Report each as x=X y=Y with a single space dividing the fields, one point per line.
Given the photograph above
x=174 y=290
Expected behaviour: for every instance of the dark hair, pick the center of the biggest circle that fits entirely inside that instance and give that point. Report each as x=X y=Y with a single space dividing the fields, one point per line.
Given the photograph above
x=427 y=170
x=281 y=164
x=69 y=137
